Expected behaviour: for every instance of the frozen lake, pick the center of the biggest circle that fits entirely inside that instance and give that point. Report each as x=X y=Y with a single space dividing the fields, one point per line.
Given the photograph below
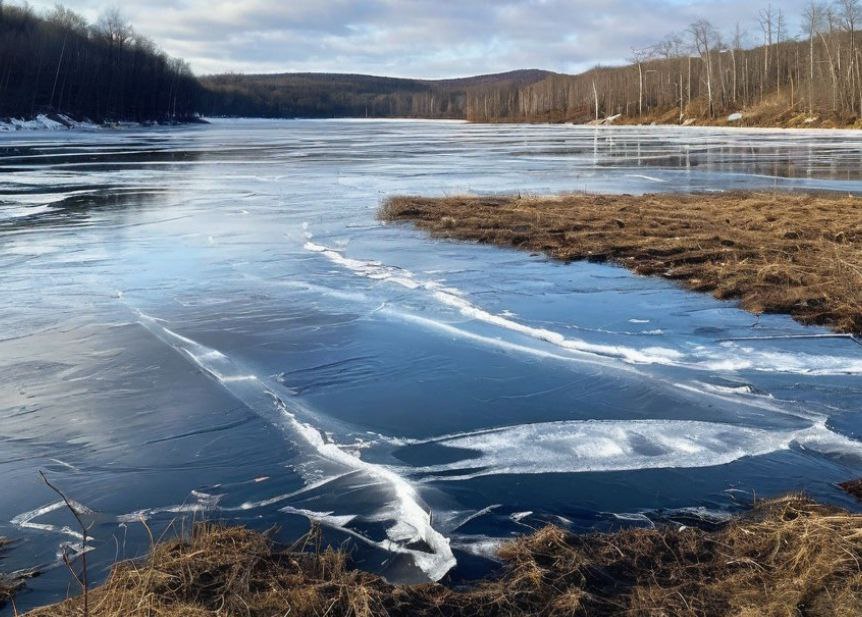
x=209 y=323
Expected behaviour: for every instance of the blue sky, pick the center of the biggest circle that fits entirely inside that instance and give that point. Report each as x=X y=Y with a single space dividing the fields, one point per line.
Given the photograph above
x=419 y=38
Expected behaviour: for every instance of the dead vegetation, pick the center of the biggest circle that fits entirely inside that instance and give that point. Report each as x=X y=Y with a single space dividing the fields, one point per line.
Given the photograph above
x=10 y=583
x=786 y=558
x=799 y=254
x=853 y=487
x=7 y=588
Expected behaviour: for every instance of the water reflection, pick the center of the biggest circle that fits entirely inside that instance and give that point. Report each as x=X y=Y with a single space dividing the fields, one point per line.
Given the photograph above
x=209 y=322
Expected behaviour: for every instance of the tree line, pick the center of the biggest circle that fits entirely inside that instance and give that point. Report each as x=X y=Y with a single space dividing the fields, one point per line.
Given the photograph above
x=322 y=95
x=814 y=75
x=704 y=73
x=58 y=62
x=106 y=71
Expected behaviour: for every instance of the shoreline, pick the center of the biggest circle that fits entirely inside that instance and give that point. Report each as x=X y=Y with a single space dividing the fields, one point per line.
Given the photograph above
x=798 y=254
x=64 y=122
x=785 y=556
x=633 y=123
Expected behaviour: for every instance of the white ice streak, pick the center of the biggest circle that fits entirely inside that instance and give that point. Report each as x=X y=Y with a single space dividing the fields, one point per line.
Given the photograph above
x=412 y=523
x=619 y=445
x=633 y=517
x=727 y=356
x=19 y=211
x=251 y=505
x=645 y=177
x=730 y=356
x=454 y=299
x=26 y=520
x=457 y=524
x=481 y=546
x=330 y=519
x=746 y=395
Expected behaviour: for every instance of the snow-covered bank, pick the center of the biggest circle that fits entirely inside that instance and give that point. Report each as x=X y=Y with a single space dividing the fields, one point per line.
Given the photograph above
x=43 y=122
x=62 y=122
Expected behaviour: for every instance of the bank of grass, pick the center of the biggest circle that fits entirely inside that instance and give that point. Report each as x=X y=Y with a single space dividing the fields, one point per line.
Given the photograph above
x=774 y=111
x=787 y=557
x=799 y=254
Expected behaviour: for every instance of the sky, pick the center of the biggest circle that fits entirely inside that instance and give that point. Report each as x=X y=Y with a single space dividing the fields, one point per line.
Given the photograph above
x=419 y=38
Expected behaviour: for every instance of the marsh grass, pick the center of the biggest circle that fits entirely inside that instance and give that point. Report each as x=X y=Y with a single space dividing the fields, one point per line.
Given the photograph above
x=788 y=557
x=799 y=254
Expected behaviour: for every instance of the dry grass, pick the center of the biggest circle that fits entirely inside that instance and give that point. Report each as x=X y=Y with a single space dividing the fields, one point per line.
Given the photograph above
x=789 y=557
x=7 y=585
x=774 y=111
x=228 y=571
x=776 y=252
x=11 y=583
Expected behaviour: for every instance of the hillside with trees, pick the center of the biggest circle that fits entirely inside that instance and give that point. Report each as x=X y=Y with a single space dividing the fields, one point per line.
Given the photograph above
x=324 y=95
x=700 y=75
x=759 y=73
x=59 y=63
x=705 y=75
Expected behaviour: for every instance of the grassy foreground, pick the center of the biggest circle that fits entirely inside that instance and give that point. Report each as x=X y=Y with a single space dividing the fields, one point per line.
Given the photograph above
x=787 y=557
x=775 y=252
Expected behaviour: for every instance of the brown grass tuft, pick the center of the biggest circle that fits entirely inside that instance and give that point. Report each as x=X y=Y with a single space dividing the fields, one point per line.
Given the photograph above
x=774 y=252
x=788 y=557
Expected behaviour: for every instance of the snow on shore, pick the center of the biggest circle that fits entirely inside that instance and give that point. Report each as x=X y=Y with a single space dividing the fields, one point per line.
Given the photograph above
x=42 y=122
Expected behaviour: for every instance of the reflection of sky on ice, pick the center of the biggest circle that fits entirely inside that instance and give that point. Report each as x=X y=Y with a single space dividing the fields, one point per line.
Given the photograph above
x=210 y=321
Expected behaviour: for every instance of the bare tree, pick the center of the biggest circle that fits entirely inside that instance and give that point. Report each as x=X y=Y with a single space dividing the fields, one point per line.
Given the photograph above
x=639 y=56
x=115 y=27
x=735 y=49
x=813 y=16
x=849 y=13
x=704 y=36
x=767 y=22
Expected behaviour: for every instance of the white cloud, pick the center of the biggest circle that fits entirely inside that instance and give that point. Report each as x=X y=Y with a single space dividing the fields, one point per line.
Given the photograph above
x=418 y=38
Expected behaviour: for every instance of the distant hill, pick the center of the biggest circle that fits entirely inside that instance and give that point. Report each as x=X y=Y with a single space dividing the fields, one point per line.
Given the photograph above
x=325 y=95
x=698 y=76
x=521 y=77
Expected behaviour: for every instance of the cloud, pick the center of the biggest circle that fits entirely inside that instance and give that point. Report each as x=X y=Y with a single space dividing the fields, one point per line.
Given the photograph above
x=419 y=38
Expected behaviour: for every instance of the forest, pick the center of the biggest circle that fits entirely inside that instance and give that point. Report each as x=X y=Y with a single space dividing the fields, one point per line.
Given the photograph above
x=776 y=77
x=759 y=73
x=59 y=63
x=702 y=73
x=323 y=95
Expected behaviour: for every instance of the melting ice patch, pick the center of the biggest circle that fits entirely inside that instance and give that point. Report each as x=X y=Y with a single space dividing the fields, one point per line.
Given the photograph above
x=726 y=356
x=618 y=445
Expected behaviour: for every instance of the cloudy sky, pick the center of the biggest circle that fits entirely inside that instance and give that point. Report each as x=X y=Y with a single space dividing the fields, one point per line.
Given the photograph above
x=419 y=38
